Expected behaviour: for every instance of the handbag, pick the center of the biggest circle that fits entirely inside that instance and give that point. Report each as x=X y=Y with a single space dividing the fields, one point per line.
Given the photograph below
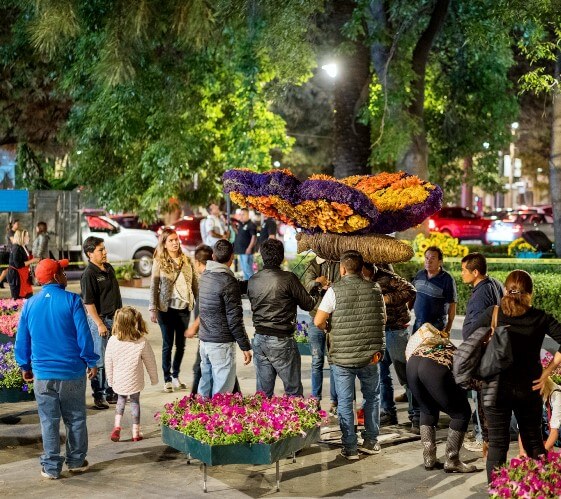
x=497 y=355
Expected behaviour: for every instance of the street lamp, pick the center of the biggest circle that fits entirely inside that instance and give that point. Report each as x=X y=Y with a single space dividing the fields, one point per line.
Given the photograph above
x=331 y=69
x=513 y=128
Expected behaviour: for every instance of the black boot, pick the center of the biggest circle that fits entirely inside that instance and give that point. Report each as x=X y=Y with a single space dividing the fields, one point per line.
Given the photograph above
x=428 y=439
x=453 y=446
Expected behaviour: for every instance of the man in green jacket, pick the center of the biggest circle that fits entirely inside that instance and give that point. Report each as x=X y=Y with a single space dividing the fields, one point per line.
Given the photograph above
x=356 y=312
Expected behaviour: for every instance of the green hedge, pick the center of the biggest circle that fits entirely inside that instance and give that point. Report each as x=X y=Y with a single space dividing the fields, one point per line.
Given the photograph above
x=547 y=291
x=547 y=282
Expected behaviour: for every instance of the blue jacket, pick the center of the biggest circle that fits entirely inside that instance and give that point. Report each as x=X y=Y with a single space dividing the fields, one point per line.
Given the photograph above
x=486 y=294
x=53 y=336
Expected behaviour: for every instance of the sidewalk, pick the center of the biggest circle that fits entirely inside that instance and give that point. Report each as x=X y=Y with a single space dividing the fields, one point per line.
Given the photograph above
x=150 y=469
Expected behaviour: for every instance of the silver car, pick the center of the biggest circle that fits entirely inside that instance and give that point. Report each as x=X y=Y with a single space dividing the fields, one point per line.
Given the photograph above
x=511 y=228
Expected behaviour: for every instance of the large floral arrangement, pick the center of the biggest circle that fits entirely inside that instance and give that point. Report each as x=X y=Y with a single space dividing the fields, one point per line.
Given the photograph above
x=528 y=478
x=233 y=419
x=364 y=204
x=448 y=244
x=520 y=246
x=10 y=373
x=9 y=316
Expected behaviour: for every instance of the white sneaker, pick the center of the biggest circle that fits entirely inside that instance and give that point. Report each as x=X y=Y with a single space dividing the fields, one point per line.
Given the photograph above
x=474 y=445
x=176 y=383
x=168 y=388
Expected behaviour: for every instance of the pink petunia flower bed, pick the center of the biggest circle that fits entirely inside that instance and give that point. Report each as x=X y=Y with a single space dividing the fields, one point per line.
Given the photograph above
x=233 y=419
x=528 y=478
x=9 y=316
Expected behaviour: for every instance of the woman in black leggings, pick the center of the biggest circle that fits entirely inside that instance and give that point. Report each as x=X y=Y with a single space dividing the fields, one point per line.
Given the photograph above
x=430 y=379
x=518 y=386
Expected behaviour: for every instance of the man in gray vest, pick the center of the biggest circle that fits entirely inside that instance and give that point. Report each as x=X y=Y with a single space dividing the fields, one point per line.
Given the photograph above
x=355 y=345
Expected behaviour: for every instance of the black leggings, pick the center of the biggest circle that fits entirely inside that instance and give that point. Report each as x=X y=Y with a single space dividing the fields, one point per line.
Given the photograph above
x=173 y=324
x=433 y=387
x=527 y=406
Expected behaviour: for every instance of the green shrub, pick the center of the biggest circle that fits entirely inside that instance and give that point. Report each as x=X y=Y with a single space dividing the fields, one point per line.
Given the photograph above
x=547 y=291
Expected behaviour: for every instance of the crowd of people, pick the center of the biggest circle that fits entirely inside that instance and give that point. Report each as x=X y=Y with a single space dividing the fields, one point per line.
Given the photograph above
x=361 y=315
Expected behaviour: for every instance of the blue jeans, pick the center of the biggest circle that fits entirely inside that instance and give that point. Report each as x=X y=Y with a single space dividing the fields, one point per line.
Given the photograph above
x=316 y=338
x=369 y=378
x=173 y=324
x=218 y=368
x=277 y=356
x=64 y=399
x=396 y=341
x=100 y=387
x=246 y=262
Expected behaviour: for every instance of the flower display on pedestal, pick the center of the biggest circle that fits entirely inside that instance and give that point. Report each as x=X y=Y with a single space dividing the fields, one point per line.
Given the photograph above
x=233 y=419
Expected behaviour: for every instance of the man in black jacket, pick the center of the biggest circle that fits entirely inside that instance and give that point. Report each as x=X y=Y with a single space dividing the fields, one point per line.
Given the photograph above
x=274 y=295
x=221 y=323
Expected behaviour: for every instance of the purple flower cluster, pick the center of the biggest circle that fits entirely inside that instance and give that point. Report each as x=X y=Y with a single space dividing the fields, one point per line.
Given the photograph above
x=528 y=478
x=10 y=373
x=271 y=183
x=231 y=418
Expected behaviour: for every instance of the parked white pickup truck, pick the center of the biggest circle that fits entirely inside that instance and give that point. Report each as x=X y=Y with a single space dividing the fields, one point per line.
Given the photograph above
x=122 y=244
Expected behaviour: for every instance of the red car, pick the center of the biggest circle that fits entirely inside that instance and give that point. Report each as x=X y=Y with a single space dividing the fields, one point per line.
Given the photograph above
x=189 y=231
x=459 y=222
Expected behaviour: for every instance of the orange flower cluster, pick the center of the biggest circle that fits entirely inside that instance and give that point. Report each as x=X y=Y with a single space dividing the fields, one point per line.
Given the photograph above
x=329 y=217
x=372 y=183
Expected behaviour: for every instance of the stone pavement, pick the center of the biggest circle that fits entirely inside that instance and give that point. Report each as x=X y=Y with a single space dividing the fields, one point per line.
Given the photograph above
x=150 y=469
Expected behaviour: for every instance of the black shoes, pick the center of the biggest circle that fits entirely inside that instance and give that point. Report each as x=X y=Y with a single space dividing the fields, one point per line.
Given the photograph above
x=387 y=419
x=415 y=429
x=112 y=398
x=99 y=404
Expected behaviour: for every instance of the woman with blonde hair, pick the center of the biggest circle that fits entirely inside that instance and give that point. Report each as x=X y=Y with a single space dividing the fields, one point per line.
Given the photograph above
x=518 y=387
x=19 y=277
x=173 y=289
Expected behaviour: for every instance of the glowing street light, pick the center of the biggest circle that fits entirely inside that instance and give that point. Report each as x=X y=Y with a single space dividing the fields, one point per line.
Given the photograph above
x=331 y=69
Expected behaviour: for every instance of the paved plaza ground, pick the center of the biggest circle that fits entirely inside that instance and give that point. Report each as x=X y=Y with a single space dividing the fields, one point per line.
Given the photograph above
x=151 y=469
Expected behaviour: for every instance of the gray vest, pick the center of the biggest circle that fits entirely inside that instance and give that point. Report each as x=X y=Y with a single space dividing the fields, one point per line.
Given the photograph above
x=357 y=323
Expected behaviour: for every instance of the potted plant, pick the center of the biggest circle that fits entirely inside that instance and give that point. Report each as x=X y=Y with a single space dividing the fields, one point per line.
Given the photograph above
x=12 y=386
x=125 y=274
x=9 y=318
x=526 y=477
x=520 y=248
x=301 y=337
x=232 y=429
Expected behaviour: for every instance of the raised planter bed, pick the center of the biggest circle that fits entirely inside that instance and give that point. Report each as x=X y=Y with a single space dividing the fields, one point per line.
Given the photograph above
x=304 y=348
x=213 y=455
x=13 y=395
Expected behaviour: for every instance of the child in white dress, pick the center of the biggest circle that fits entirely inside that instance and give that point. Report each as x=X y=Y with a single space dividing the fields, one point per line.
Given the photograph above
x=125 y=357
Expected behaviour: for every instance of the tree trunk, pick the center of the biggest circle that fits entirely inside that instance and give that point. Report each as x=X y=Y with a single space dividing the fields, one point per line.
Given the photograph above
x=467 y=188
x=555 y=158
x=415 y=158
x=351 y=142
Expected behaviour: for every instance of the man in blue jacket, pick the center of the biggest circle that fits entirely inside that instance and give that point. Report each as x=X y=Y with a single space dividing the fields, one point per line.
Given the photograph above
x=54 y=348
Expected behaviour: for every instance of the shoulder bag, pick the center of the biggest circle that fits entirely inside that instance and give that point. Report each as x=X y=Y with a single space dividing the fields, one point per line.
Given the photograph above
x=497 y=355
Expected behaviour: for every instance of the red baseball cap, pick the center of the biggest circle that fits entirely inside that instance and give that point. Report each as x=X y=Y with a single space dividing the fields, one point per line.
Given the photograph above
x=46 y=269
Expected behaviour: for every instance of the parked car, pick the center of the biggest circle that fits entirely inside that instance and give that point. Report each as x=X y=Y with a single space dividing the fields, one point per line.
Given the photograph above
x=130 y=221
x=189 y=231
x=122 y=244
x=511 y=228
x=459 y=222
